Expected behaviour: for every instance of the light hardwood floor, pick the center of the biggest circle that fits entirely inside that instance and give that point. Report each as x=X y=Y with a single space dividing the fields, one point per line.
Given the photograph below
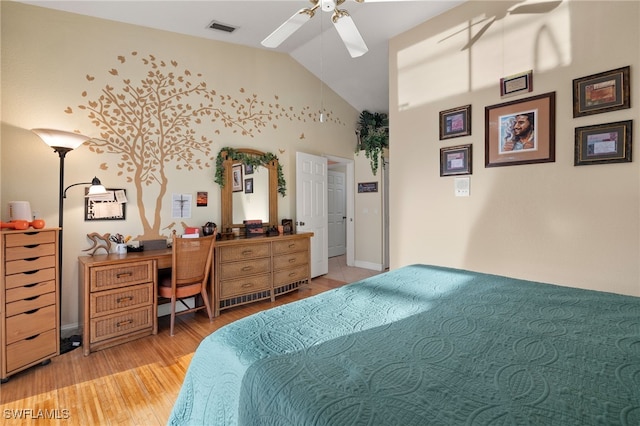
x=131 y=384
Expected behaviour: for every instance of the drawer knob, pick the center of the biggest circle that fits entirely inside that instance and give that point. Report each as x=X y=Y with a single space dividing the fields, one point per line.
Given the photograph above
x=292 y=274
x=125 y=299
x=247 y=252
x=292 y=245
x=247 y=285
x=124 y=274
x=123 y=323
x=292 y=260
x=247 y=268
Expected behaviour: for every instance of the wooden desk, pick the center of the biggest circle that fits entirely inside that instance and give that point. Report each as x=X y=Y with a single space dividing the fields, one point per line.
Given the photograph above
x=119 y=296
x=119 y=291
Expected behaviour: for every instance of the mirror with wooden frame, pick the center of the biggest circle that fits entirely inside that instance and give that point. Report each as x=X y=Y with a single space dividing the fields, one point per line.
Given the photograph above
x=249 y=191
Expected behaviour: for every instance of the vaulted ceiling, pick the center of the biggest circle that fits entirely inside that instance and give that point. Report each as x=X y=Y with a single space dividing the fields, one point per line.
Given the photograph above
x=363 y=82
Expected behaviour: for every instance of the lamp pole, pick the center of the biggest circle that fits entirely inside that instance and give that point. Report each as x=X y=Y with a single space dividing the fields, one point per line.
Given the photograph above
x=62 y=152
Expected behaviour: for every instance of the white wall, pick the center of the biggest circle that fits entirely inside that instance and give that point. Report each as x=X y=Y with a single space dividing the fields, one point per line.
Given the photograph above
x=551 y=222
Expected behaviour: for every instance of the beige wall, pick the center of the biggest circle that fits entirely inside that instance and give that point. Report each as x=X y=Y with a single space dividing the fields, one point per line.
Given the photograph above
x=52 y=62
x=552 y=222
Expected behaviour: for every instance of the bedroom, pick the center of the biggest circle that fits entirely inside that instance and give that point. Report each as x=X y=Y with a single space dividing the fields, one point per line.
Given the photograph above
x=582 y=224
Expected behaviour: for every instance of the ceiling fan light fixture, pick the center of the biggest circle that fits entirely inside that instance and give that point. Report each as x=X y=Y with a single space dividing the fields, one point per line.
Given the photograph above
x=328 y=5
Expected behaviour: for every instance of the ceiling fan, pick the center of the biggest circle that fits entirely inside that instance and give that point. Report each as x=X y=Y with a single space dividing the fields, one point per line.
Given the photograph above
x=341 y=20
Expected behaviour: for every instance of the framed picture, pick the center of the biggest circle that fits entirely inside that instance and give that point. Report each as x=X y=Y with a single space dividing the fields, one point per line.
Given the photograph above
x=517 y=83
x=248 y=169
x=367 y=187
x=455 y=160
x=603 y=92
x=521 y=131
x=248 y=186
x=109 y=206
x=202 y=199
x=287 y=226
x=236 y=172
x=603 y=143
x=455 y=122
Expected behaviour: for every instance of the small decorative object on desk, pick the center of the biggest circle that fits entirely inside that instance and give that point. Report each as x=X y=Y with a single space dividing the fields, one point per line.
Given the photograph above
x=99 y=242
x=253 y=228
x=287 y=226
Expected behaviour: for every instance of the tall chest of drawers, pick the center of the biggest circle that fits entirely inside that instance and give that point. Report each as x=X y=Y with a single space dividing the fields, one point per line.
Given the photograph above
x=119 y=298
x=29 y=299
x=252 y=269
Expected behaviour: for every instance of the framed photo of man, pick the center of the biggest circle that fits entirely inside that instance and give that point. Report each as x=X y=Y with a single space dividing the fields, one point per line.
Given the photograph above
x=520 y=131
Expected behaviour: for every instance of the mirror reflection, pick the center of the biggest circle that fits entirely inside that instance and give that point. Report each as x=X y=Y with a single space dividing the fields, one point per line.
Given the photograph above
x=251 y=194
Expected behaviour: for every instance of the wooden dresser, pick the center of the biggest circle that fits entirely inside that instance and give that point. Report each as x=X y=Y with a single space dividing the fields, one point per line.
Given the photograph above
x=251 y=269
x=29 y=299
x=119 y=298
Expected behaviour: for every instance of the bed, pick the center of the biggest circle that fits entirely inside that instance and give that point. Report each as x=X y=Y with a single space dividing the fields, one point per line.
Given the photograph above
x=423 y=345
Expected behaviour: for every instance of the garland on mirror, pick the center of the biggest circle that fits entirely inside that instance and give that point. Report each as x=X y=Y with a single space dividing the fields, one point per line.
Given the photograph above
x=250 y=160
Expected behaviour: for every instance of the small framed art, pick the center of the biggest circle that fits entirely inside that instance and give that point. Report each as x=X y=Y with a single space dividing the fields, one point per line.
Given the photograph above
x=603 y=143
x=248 y=186
x=516 y=84
x=455 y=122
x=236 y=173
x=521 y=131
x=455 y=160
x=603 y=92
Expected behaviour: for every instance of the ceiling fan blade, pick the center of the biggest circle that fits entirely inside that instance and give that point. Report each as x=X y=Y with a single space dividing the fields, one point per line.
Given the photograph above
x=349 y=33
x=289 y=27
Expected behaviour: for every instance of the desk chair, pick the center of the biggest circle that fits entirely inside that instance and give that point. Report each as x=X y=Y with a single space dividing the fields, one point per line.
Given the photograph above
x=189 y=275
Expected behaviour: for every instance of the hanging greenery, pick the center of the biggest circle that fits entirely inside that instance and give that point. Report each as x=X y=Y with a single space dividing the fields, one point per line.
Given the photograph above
x=250 y=160
x=373 y=136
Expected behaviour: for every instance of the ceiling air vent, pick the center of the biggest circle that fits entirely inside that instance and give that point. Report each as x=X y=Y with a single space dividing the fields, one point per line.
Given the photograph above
x=214 y=25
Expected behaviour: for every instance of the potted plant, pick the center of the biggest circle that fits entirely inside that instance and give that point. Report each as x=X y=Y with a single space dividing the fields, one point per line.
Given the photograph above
x=373 y=136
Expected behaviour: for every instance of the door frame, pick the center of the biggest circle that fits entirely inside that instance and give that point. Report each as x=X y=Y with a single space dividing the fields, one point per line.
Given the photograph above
x=350 y=201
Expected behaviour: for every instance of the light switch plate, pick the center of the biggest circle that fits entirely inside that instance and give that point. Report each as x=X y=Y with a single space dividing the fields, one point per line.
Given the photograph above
x=461 y=186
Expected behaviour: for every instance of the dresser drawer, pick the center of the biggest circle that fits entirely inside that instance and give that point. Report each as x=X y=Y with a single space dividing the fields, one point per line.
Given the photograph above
x=30 y=291
x=108 y=277
x=111 y=326
x=30 y=323
x=247 y=285
x=291 y=259
x=30 y=251
x=30 y=304
x=290 y=246
x=242 y=269
x=288 y=276
x=28 y=265
x=112 y=301
x=30 y=238
x=30 y=350
x=241 y=252
x=29 y=278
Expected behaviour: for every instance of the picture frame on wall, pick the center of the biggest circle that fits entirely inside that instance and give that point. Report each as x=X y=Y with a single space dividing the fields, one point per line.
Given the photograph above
x=455 y=122
x=248 y=186
x=521 y=131
x=516 y=84
x=603 y=143
x=602 y=92
x=236 y=175
x=109 y=206
x=455 y=160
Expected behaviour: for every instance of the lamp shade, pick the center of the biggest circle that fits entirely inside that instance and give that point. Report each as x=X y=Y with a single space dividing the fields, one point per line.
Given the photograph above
x=96 y=187
x=60 y=138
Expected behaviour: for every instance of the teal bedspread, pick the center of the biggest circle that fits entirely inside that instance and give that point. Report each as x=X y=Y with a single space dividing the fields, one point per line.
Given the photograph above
x=424 y=345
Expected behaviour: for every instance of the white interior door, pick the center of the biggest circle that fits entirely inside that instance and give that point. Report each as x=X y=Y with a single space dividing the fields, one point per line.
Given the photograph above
x=311 y=208
x=337 y=215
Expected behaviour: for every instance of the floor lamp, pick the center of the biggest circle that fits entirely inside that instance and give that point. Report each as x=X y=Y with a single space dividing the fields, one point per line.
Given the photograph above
x=62 y=142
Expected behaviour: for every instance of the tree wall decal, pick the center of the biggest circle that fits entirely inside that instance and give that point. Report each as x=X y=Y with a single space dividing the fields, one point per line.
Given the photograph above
x=152 y=123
